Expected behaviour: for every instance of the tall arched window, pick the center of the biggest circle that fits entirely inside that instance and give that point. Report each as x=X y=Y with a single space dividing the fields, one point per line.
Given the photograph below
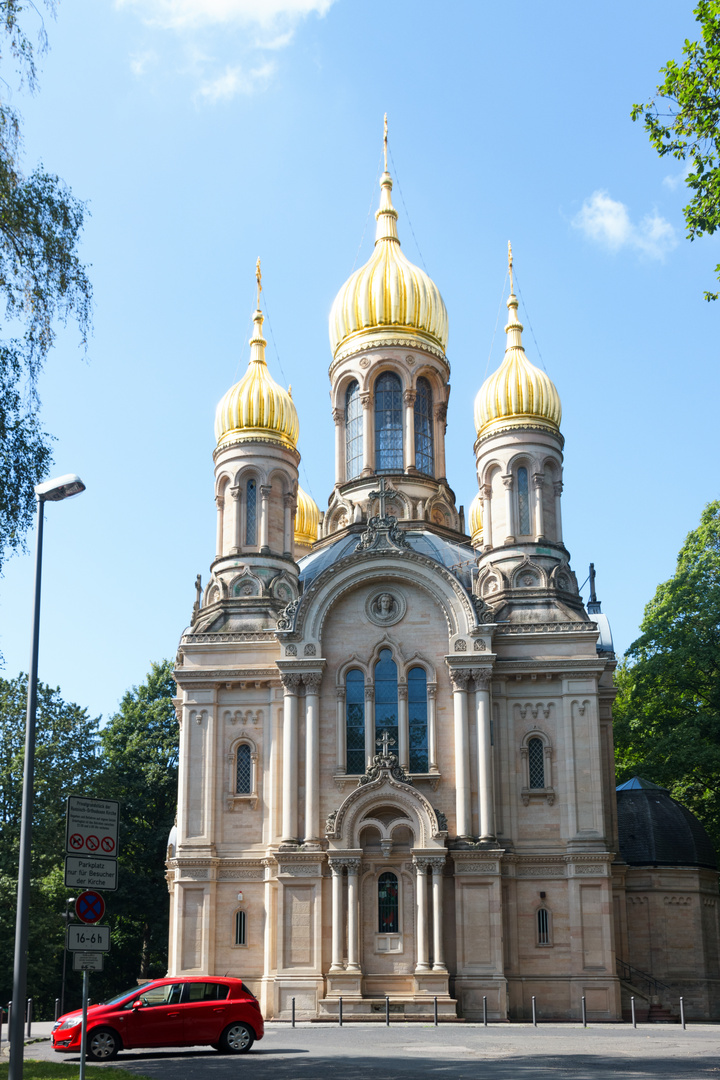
x=417 y=720
x=424 y=428
x=523 y=501
x=240 y=928
x=543 y=926
x=243 y=773
x=386 y=697
x=388 y=906
x=536 y=763
x=355 y=721
x=388 y=423
x=353 y=432
x=251 y=513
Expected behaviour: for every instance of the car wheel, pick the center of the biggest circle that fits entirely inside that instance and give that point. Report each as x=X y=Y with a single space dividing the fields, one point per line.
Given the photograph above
x=103 y=1044
x=237 y=1038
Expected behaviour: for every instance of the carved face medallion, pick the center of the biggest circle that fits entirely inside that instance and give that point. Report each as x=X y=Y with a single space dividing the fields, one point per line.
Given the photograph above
x=385 y=608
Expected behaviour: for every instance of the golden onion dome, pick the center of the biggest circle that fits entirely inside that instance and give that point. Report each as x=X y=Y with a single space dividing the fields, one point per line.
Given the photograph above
x=307 y=519
x=518 y=393
x=257 y=409
x=389 y=300
x=475 y=520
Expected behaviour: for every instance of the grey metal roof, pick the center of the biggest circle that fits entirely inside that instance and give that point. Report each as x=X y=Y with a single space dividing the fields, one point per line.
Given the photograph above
x=654 y=830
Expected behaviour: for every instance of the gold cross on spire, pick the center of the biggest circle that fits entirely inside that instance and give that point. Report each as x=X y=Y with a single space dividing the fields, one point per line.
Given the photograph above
x=510 y=266
x=258 y=278
x=385 y=141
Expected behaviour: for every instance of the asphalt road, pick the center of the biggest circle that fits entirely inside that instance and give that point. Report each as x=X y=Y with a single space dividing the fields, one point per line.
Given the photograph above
x=498 y=1052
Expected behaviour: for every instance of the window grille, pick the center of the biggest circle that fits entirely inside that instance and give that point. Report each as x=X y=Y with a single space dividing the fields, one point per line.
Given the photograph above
x=244 y=770
x=251 y=512
x=353 y=432
x=388 y=907
x=523 y=502
x=386 y=697
x=388 y=423
x=543 y=926
x=417 y=720
x=424 y=428
x=240 y=923
x=355 y=721
x=536 y=763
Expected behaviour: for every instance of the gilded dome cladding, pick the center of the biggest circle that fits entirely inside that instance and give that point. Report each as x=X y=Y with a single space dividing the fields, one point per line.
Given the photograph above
x=475 y=519
x=307 y=519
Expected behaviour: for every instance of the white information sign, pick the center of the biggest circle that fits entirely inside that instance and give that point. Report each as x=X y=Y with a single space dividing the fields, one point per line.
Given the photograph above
x=85 y=872
x=88 y=961
x=88 y=938
x=92 y=827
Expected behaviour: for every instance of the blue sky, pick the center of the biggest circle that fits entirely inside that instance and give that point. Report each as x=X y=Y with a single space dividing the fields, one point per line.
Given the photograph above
x=203 y=133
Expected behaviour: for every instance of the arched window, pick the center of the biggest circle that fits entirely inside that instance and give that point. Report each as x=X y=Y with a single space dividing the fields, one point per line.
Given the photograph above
x=543 y=926
x=240 y=924
x=355 y=721
x=251 y=513
x=388 y=423
x=417 y=720
x=243 y=773
x=386 y=697
x=388 y=907
x=424 y=428
x=523 y=501
x=536 y=763
x=353 y=432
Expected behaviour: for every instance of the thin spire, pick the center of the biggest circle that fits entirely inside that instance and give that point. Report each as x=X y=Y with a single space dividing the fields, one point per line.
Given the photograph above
x=385 y=142
x=257 y=341
x=386 y=215
x=510 y=266
x=514 y=326
x=258 y=278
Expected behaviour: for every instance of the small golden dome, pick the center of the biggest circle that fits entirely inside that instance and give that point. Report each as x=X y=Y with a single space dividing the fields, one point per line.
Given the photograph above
x=475 y=520
x=256 y=408
x=388 y=298
x=307 y=519
x=518 y=393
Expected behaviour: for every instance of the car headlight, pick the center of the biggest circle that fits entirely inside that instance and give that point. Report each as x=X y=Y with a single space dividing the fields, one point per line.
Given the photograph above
x=71 y=1023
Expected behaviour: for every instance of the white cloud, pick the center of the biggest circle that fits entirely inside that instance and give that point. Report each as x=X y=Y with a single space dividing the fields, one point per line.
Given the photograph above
x=235 y=80
x=607 y=221
x=141 y=61
x=184 y=14
x=677 y=179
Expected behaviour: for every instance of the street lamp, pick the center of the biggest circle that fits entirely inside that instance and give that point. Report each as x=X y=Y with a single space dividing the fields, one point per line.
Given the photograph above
x=51 y=491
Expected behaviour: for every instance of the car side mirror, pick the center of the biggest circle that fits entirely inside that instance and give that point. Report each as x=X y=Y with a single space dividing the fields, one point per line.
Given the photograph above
x=138 y=1003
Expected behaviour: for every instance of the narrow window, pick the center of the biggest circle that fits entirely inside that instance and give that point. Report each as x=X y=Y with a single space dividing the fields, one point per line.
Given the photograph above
x=240 y=923
x=543 y=926
x=355 y=721
x=244 y=770
x=251 y=512
x=424 y=428
x=417 y=720
x=353 y=432
x=386 y=698
x=388 y=922
x=388 y=423
x=536 y=763
x=523 y=501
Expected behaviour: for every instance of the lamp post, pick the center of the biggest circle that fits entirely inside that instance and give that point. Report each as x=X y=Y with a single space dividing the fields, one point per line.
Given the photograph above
x=67 y=916
x=51 y=491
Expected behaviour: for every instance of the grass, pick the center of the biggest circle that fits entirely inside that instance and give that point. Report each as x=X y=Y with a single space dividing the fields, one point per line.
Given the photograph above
x=52 y=1070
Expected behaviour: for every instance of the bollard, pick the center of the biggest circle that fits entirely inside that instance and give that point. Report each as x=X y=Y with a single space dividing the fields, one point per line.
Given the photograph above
x=682 y=1013
x=485 y=1010
x=584 y=1012
x=534 y=1012
x=632 y=1011
x=9 y=1019
x=2 y=1017
x=387 y=1011
x=293 y=1012
x=29 y=1018
x=57 y=1007
x=435 y=1011
x=340 y=1011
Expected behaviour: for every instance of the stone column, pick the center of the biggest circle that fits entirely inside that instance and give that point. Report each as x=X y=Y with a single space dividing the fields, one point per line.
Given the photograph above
x=265 y=490
x=339 y=418
x=557 y=488
x=486 y=806
x=288 y=531
x=509 y=509
x=236 y=520
x=423 y=963
x=403 y=732
x=409 y=442
x=369 y=725
x=462 y=764
x=368 y=434
x=437 y=867
x=220 y=503
x=353 y=870
x=486 y=492
x=291 y=683
x=341 y=731
x=337 y=921
x=538 y=483
x=440 y=415
x=432 y=727
x=312 y=680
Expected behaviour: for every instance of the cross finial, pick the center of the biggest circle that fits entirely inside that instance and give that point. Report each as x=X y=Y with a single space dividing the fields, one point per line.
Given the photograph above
x=258 y=278
x=385 y=141
x=386 y=741
x=383 y=494
x=510 y=266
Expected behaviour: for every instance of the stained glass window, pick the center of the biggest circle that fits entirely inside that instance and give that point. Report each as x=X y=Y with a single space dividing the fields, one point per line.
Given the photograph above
x=424 y=428
x=244 y=770
x=543 y=926
x=536 y=763
x=388 y=423
x=386 y=698
x=251 y=512
x=388 y=921
x=240 y=928
x=353 y=432
x=355 y=721
x=417 y=720
x=523 y=501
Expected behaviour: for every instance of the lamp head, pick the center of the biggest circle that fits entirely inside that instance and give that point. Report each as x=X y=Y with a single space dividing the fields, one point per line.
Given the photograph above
x=63 y=487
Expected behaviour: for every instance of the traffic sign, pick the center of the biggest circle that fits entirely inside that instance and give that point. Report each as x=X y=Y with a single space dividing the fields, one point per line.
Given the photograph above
x=92 y=827
x=90 y=906
x=89 y=872
x=88 y=938
x=88 y=961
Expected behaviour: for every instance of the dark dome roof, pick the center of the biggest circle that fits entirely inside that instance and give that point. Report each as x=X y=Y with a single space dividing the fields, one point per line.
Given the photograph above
x=655 y=830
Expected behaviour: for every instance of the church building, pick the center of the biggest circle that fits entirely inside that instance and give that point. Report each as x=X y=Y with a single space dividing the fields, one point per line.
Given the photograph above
x=396 y=756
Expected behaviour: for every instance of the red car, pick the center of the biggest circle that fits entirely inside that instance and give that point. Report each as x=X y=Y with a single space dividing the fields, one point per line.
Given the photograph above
x=167 y=1012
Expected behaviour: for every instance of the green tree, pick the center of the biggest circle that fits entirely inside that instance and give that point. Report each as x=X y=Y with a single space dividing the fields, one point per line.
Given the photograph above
x=667 y=713
x=43 y=284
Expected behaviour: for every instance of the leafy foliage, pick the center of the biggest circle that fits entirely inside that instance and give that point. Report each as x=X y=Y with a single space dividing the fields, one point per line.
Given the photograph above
x=667 y=714
x=691 y=131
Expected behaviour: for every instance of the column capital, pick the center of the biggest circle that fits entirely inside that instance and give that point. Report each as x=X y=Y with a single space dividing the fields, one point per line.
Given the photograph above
x=437 y=864
x=312 y=680
x=265 y=490
x=558 y=487
x=538 y=479
x=409 y=396
x=366 y=399
x=338 y=416
x=421 y=863
x=507 y=481
x=403 y=690
x=340 y=693
x=235 y=491
x=336 y=866
x=289 y=501
x=290 y=681
x=486 y=491
x=219 y=501
x=431 y=689
x=441 y=411
x=369 y=693
x=482 y=678
x=459 y=678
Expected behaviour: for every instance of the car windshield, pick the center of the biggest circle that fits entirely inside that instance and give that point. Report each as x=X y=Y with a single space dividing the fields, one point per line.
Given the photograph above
x=121 y=997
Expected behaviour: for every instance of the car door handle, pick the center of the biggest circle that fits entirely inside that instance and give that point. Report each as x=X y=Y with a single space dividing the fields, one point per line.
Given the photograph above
x=220 y=1010
x=173 y=1015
